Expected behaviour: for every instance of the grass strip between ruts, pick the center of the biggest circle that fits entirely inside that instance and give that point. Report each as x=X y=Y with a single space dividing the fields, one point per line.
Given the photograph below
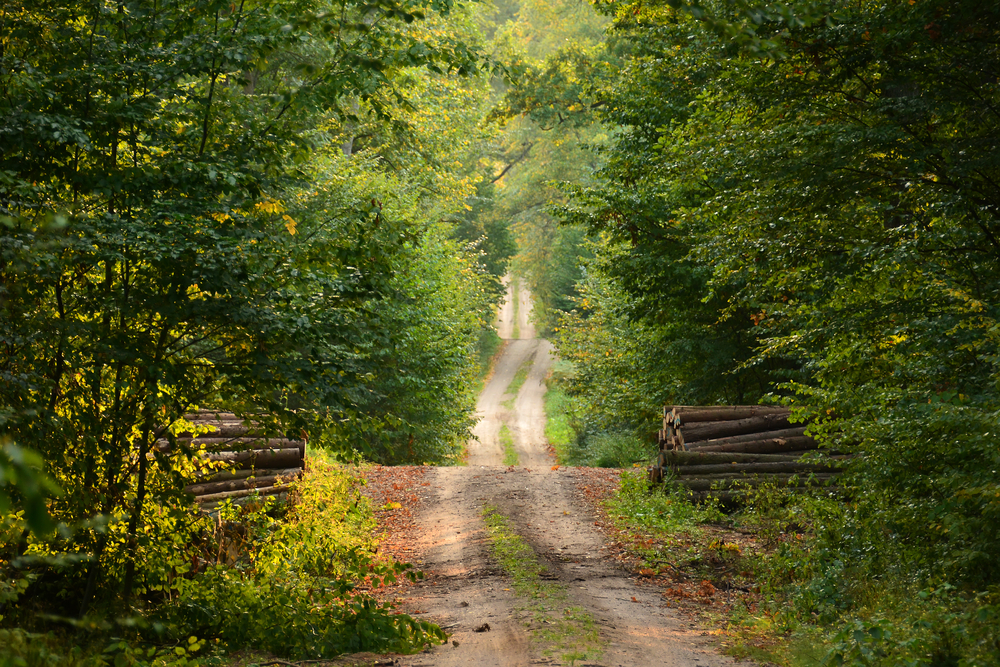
x=563 y=629
x=510 y=457
x=517 y=382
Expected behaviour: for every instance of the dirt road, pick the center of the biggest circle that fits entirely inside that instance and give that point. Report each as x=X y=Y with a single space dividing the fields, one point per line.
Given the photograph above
x=594 y=613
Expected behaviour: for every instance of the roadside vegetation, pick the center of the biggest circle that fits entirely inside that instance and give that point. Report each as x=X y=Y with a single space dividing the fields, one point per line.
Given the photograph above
x=785 y=601
x=223 y=583
x=574 y=438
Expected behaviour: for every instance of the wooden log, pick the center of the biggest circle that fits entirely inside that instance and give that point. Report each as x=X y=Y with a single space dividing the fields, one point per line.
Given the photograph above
x=289 y=457
x=682 y=458
x=800 y=443
x=727 y=481
x=222 y=475
x=228 y=430
x=794 y=467
x=655 y=474
x=236 y=443
x=792 y=432
x=257 y=481
x=214 y=415
x=724 y=413
x=243 y=493
x=212 y=507
x=716 y=430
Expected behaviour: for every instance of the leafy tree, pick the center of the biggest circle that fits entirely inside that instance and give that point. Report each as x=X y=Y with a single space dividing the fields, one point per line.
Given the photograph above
x=553 y=54
x=822 y=199
x=149 y=257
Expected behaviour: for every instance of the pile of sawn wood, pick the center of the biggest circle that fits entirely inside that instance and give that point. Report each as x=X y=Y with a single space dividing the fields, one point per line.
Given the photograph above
x=719 y=450
x=240 y=462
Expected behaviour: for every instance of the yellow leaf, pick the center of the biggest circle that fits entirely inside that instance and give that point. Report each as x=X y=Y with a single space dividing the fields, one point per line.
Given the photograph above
x=289 y=224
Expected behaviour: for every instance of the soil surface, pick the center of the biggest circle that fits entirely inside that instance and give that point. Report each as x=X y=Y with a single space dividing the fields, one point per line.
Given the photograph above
x=466 y=591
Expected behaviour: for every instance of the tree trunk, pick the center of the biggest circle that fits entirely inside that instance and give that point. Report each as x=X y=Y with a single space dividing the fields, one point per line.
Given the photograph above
x=236 y=443
x=258 y=481
x=724 y=413
x=792 y=467
x=716 y=430
x=289 y=457
x=228 y=429
x=679 y=458
x=243 y=493
x=727 y=481
x=224 y=475
x=762 y=446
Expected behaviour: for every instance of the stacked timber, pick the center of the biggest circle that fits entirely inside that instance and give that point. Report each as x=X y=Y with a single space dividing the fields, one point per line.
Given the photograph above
x=717 y=450
x=238 y=459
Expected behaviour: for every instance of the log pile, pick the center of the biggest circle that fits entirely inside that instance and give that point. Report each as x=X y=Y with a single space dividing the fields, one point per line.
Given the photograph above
x=240 y=460
x=717 y=450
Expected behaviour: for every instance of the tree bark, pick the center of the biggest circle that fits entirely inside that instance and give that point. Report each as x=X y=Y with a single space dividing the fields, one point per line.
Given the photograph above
x=688 y=415
x=289 y=457
x=258 y=481
x=791 y=467
x=762 y=446
x=236 y=443
x=679 y=458
x=243 y=493
x=727 y=481
x=716 y=430
x=228 y=429
x=224 y=475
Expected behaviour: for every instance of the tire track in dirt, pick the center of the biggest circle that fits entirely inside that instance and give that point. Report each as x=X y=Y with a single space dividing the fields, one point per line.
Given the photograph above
x=466 y=590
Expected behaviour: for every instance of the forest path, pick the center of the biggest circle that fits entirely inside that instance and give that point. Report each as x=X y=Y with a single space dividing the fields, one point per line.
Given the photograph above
x=614 y=620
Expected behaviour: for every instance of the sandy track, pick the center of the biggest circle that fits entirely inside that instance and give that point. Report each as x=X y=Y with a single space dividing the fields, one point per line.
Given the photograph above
x=465 y=589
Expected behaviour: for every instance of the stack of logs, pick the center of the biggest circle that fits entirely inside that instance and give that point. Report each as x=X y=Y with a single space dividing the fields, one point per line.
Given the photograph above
x=712 y=449
x=242 y=462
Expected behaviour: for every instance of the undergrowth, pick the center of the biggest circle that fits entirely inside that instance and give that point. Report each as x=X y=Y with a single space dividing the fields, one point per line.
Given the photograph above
x=294 y=580
x=573 y=444
x=800 y=599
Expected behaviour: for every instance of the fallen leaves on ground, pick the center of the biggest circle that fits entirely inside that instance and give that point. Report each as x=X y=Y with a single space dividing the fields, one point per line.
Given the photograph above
x=683 y=587
x=396 y=494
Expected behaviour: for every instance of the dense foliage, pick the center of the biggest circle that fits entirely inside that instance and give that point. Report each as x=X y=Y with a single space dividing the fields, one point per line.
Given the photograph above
x=254 y=206
x=801 y=202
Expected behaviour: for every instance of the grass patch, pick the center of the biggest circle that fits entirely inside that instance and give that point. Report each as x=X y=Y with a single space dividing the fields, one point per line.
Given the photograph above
x=510 y=457
x=564 y=629
x=558 y=430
